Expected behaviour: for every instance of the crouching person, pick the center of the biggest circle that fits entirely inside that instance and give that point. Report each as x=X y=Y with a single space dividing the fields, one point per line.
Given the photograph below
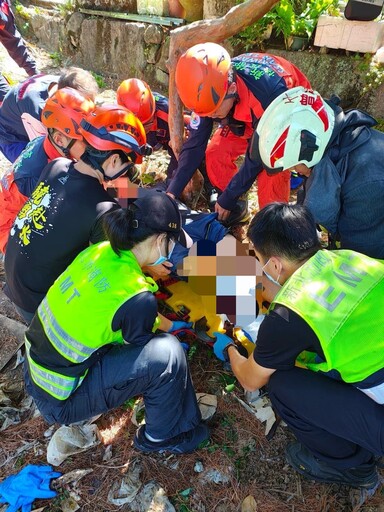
x=92 y=344
x=319 y=348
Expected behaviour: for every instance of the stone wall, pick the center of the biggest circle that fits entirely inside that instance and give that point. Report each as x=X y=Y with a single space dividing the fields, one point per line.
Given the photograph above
x=120 y=49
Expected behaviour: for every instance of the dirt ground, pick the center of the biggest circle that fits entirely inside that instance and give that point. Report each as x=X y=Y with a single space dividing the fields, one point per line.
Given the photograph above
x=238 y=463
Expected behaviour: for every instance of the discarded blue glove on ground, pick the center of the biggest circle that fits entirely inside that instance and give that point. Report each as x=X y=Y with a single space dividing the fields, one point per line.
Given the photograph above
x=222 y=342
x=30 y=483
x=178 y=324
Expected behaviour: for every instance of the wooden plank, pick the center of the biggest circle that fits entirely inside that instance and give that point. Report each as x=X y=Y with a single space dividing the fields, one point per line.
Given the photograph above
x=144 y=18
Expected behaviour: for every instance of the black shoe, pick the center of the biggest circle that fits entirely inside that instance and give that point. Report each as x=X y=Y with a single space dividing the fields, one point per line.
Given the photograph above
x=302 y=460
x=186 y=442
x=239 y=215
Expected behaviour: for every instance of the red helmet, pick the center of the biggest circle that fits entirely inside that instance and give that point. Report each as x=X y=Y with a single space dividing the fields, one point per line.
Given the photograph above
x=64 y=111
x=202 y=74
x=136 y=96
x=112 y=126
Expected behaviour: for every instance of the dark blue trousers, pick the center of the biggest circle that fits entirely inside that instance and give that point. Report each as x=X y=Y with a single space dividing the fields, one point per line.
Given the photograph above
x=335 y=421
x=158 y=371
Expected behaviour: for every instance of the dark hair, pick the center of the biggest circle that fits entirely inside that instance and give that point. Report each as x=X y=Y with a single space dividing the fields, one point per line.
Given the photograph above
x=119 y=228
x=79 y=79
x=285 y=230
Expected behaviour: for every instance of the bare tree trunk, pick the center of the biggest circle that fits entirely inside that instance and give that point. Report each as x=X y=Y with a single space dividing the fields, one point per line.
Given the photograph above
x=215 y=31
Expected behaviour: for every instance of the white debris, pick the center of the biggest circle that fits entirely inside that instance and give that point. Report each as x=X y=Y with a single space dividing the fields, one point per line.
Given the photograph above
x=68 y=440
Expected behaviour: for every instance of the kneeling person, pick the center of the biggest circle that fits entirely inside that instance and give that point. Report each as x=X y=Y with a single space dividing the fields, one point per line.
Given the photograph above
x=319 y=349
x=92 y=346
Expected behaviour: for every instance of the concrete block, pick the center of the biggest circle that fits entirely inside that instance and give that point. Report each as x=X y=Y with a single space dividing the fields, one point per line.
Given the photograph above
x=355 y=36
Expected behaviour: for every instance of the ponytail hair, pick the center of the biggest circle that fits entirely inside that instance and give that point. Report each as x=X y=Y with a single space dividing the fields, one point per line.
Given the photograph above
x=119 y=228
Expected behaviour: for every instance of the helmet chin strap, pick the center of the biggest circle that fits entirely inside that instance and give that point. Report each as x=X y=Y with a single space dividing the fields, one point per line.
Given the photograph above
x=65 y=150
x=97 y=165
x=129 y=169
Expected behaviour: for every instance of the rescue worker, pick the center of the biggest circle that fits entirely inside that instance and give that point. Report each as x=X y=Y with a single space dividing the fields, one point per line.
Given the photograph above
x=340 y=154
x=235 y=93
x=64 y=213
x=62 y=114
x=319 y=349
x=152 y=110
x=92 y=344
x=15 y=45
x=29 y=97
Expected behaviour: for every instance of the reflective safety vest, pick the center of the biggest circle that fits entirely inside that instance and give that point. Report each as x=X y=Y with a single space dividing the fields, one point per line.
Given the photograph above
x=339 y=295
x=77 y=314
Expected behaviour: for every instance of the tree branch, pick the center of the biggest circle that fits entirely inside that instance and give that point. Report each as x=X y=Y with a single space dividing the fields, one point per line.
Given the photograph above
x=212 y=30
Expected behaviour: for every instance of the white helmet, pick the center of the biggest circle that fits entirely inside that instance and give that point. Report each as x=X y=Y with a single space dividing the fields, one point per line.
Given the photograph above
x=295 y=128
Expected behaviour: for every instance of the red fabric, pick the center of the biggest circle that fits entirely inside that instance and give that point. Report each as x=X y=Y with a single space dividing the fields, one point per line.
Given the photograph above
x=221 y=154
x=293 y=76
x=225 y=147
x=11 y=202
x=50 y=150
x=275 y=188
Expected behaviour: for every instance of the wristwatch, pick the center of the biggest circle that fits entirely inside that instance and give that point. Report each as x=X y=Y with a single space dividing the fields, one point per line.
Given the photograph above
x=225 y=350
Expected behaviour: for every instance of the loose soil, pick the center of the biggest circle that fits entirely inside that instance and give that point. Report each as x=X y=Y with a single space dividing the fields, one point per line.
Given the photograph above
x=238 y=447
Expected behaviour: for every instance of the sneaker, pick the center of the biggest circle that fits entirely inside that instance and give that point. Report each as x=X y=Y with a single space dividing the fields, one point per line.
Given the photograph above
x=305 y=463
x=186 y=442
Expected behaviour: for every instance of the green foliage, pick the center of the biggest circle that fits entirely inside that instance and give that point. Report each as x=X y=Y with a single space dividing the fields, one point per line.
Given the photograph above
x=129 y=404
x=289 y=23
x=288 y=18
x=181 y=500
x=66 y=8
x=99 y=80
x=380 y=124
x=22 y=11
x=372 y=72
x=57 y=58
x=242 y=460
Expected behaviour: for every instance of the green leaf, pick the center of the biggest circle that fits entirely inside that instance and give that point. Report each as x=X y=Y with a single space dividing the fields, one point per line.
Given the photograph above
x=229 y=388
x=186 y=492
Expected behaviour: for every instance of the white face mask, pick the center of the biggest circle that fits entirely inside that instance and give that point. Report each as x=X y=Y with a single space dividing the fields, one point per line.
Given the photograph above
x=161 y=259
x=268 y=276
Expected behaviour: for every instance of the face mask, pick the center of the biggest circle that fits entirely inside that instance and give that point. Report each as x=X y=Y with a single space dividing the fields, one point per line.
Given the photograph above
x=161 y=259
x=268 y=276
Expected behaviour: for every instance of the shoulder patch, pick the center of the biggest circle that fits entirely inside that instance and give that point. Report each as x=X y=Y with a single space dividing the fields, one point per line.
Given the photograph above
x=195 y=121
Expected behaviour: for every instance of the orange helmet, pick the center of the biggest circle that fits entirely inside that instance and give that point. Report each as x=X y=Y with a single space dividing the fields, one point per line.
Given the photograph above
x=64 y=111
x=136 y=96
x=112 y=127
x=202 y=74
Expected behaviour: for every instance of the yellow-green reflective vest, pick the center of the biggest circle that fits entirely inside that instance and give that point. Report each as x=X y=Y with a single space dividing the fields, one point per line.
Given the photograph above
x=78 y=309
x=340 y=295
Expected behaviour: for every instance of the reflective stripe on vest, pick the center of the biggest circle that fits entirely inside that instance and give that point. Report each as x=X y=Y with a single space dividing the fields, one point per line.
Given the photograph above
x=58 y=385
x=67 y=346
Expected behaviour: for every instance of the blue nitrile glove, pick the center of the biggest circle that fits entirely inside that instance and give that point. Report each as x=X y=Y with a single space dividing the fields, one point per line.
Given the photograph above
x=222 y=342
x=178 y=324
x=22 y=489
